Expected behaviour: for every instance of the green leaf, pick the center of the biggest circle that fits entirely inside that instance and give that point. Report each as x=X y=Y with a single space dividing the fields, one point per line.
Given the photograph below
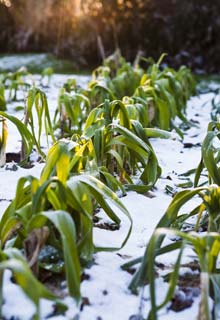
x=65 y=225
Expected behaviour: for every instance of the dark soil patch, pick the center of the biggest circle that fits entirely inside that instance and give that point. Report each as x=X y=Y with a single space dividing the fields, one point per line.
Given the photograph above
x=85 y=276
x=13 y=157
x=189 y=288
x=54 y=283
x=189 y=145
x=107 y=226
x=85 y=302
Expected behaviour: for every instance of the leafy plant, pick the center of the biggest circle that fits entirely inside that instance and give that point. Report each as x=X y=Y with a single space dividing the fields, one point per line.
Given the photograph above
x=107 y=129
x=210 y=155
x=37 y=101
x=27 y=138
x=207 y=249
x=153 y=97
x=63 y=203
x=165 y=93
x=15 y=81
x=122 y=147
x=13 y=260
x=71 y=114
x=119 y=77
x=208 y=215
x=47 y=74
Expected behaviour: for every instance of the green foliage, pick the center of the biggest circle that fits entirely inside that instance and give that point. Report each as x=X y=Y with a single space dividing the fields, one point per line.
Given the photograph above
x=156 y=96
x=37 y=102
x=27 y=138
x=2 y=97
x=15 y=81
x=210 y=155
x=119 y=76
x=165 y=93
x=72 y=112
x=3 y=141
x=122 y=148
x=105 y=148
x=13 y=260
x=207 y=249
x=63 y=222
x=63 y=202
x=47 y=74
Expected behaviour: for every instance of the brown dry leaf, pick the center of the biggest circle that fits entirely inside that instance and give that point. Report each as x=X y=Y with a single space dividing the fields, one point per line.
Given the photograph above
x=32 y=246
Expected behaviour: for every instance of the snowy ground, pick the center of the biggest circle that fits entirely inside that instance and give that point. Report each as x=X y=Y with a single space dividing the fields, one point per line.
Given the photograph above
x=106 y=288
x=34 y=62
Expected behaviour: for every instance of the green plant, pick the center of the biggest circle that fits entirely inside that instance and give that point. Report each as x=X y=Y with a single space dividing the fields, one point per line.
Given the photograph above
x=15 y=81
x=13 y=260
x=71 y=114
x=62 y=202
x=165 y=93
x=107 y=149
x=117 y=76
x=37 y=102
x=47 y=74
x=210 y=155
x=122 y=148
x=26 y=136
x=207 y=249
x=153 y=97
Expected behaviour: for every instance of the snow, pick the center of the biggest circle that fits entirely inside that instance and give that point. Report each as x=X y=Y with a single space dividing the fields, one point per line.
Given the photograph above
x=107 y=287
x=13 y=62
x=36 y=62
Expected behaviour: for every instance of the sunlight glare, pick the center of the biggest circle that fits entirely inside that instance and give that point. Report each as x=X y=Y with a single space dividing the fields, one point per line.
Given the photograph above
x=7 y=3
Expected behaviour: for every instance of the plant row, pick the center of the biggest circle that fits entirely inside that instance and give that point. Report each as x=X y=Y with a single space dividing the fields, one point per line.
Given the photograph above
x=104 y=148
x=202 y=236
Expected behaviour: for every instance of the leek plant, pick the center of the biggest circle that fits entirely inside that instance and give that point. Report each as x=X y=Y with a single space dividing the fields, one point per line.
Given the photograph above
x=26 y=137
x=154 y=97
x=13 y=260
x=210 y=155
x=122 y=146
x=46 y=76
x=207 y=248
x=106 y=148
x=71 y=114
x=37 y=102
x=166 y=93
x=16 y=81
x=119 y=76
x=60 y=206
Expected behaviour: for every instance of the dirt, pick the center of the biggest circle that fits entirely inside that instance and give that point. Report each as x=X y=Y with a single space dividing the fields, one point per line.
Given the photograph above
x=107 y=226
x=188 y=289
